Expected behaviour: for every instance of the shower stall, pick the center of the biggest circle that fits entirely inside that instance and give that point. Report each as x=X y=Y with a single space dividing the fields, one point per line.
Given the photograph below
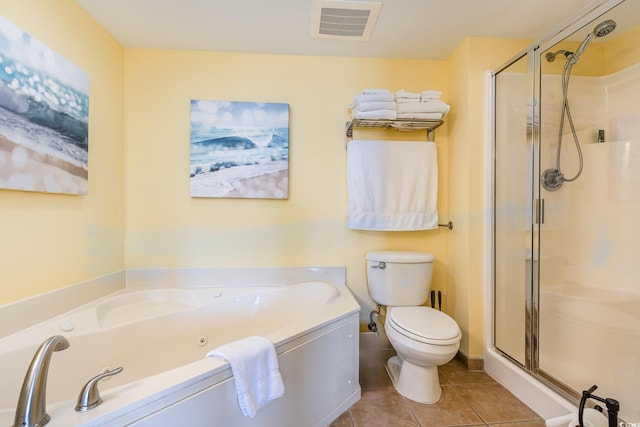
x=566 y=208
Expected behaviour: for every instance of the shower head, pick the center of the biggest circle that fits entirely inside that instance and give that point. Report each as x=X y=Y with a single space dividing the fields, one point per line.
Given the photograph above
x=600 y=30
x=551 y=56
x=604 y=28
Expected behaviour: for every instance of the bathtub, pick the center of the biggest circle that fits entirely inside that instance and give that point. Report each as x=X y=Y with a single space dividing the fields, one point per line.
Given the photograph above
x=160 y=335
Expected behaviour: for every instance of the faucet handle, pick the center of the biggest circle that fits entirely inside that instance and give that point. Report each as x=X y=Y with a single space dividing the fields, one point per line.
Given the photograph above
x=89 y=396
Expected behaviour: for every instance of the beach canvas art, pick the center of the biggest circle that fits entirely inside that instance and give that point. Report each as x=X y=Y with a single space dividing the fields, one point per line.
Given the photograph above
x=239 y=149
x=44 y=116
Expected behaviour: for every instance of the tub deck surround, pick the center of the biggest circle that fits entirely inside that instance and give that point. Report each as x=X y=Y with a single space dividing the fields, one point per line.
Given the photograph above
x=161 y=335
x=226 y=277
x=22 y=314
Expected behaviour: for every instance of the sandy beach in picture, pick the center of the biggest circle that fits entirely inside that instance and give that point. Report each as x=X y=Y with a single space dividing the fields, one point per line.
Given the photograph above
x=268 y=181
x=24 y=169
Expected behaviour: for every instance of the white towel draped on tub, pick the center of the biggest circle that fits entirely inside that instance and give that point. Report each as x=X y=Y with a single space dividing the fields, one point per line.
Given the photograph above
x=254 y=364
x=392 y=185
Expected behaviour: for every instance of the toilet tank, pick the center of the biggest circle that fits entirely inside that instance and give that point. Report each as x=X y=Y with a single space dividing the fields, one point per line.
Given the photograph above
x=399 y=278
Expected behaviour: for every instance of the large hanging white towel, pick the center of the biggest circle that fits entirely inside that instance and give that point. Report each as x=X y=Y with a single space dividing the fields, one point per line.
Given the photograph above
x=254 y=364
x=392 y=185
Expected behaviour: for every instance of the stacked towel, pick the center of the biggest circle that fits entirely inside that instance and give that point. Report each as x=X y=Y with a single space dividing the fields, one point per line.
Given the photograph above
x=430 y=95
x=381 y=104
x=374 y=104
x=430 y=106
x=254 y=364
x=403 y=96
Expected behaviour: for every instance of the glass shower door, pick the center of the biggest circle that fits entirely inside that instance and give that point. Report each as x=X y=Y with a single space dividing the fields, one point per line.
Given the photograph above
x=513 y=223
x=589 y=293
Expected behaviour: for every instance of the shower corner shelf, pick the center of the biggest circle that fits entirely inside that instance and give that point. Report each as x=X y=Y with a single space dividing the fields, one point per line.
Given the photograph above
x=398 y=124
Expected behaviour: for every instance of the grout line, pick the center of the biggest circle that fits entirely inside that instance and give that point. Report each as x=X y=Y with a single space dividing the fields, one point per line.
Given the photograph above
x=457 y=387
x=413 y=414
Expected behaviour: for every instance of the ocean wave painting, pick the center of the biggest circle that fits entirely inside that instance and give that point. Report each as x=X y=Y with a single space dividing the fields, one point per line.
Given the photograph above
x=239 y=149
x=44 y=116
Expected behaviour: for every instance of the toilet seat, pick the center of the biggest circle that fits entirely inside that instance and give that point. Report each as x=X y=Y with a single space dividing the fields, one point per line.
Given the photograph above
x=424 y=324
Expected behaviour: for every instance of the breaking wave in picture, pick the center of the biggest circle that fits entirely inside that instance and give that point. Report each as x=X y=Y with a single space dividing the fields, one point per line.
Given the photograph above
x=44 y=116
x=247 y=164
x=218 y=150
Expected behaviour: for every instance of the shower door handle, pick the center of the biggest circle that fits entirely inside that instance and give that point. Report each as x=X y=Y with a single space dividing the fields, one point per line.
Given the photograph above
x=540 y=211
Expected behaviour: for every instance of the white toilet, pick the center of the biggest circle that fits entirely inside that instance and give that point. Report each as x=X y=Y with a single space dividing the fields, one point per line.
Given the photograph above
x=423 y=337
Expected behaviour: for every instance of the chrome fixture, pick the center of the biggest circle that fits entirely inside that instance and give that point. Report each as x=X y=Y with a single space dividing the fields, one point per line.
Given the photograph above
x=32 y=407
x=552 y=179
x=89 y=396
x=601 y=30
x=551 y=56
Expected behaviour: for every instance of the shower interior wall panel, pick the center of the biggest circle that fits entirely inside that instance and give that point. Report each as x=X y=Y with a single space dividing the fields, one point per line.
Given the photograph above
x=589 y=296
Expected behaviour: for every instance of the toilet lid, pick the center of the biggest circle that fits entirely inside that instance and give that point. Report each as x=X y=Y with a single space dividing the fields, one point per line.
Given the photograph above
x=424 y=324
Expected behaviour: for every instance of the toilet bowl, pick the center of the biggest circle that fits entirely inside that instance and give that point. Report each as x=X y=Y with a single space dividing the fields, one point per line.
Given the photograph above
x=423 y=338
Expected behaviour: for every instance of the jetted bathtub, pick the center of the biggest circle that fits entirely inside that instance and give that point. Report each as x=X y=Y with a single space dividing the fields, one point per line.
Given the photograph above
x=160 y=337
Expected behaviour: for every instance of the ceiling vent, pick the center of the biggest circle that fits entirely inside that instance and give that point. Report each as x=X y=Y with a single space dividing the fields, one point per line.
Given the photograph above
x=343 y=20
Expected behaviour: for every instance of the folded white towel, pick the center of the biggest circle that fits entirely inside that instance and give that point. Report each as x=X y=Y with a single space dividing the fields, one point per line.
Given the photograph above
x=392 y=185
x=254 y=364
x=370 y=97
x=420 y=116
x=431 y=94
x=374 y=90
x=374 y=115
x=407 y=100
x=404 y=94
x=423 y=107
x=375 y=105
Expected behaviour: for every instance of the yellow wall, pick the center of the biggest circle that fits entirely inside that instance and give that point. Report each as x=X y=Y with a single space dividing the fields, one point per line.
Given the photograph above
x=622 y=50
x=168 y=228
x=140 y=112
x=50 y=241
x=467 y=188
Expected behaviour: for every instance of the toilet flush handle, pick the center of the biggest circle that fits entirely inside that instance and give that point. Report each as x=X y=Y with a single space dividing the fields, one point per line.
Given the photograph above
x=381 y=265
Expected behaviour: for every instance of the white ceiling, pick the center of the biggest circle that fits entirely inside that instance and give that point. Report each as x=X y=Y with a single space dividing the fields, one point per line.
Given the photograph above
x=412 y=29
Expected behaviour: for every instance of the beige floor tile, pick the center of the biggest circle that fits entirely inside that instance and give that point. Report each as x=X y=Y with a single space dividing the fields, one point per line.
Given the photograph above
x=450 y=410
x=382 y=408
x=343 y=420
x=372 y=368
x=495 y=404
x=469 y=398
x=455 y=373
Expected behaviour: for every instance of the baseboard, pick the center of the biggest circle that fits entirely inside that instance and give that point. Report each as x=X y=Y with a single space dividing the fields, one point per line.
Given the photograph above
x=473 y=364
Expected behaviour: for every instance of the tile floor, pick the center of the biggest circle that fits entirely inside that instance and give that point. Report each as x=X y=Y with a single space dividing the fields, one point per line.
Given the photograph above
x=469 y=398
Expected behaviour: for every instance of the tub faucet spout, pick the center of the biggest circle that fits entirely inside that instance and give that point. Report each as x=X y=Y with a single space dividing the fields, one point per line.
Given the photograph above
x=32 y=408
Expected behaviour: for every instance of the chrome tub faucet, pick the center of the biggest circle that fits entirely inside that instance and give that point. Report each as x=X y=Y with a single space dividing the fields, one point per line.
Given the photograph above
x=32 y=406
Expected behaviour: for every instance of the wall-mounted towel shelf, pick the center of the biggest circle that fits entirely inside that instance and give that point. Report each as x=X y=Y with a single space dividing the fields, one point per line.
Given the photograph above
x=398 y=124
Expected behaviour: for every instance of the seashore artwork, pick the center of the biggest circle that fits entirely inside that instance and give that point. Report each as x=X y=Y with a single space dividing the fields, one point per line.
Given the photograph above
x=44 y=116
x=239 y=149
